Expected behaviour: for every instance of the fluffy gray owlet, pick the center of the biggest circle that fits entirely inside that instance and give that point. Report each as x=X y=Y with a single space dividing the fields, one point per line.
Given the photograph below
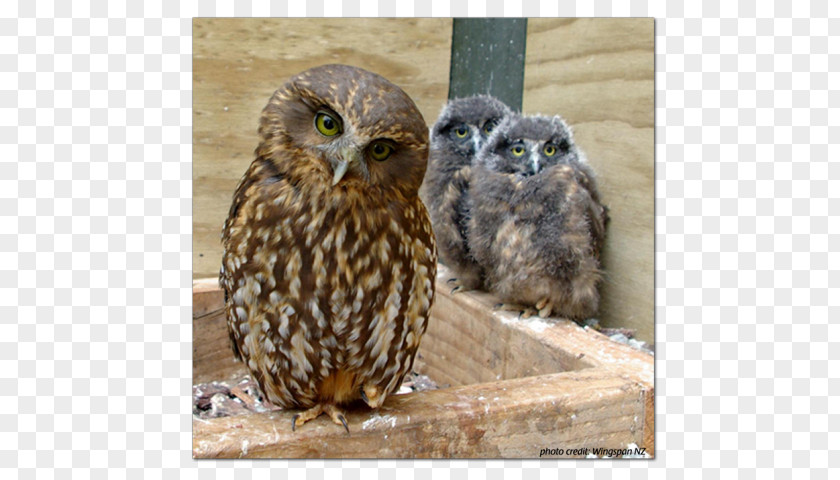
x=463 y=127
x=537 y=223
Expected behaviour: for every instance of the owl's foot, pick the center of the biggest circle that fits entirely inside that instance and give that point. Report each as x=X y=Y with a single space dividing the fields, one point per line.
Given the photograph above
x=373 y=395
x=335 y=414
x=524 y=311
x=544 y=306
x=460 y=287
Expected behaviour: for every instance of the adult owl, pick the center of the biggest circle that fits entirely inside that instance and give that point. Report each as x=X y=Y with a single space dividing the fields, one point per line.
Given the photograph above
x=537 y=225
x=462 y=128
x=329 y=256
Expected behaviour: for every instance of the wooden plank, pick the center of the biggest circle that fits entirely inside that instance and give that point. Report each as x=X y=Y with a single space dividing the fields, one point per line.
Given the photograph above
x=466 y=342
x=212 y=354
x=513 y=418
x=207 y=296
x=598 y=73
x=521 y=347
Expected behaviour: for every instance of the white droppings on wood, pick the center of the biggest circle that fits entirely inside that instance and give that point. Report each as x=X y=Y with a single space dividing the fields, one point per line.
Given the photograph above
x=536 y=324
x=377 y=421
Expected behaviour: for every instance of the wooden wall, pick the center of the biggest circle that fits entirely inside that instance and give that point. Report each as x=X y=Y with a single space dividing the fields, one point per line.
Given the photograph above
x=597 y=73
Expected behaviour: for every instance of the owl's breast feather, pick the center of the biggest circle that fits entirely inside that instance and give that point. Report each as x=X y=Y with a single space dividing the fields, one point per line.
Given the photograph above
x=337 y=287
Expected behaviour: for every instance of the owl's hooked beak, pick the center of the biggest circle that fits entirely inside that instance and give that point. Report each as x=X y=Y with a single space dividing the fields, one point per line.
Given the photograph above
x=347 y=157
x=476 y=141
x=535 y=164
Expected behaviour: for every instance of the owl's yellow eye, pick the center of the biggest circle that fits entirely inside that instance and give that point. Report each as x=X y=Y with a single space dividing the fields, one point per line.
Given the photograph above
x=461 y=132
x=380 y=151
x=517 y=150
x=488 y=127
x=549 y=150
x=327 y=125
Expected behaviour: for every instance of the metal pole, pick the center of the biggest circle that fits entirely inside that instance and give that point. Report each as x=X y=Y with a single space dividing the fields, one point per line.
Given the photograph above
x=488 y=56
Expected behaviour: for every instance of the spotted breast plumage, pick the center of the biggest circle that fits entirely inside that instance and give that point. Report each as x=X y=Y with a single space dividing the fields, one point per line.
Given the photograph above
x=329 y=256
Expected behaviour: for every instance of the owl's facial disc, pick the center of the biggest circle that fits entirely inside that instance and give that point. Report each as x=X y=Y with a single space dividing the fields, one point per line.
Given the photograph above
x=524 y=157
x=466 y=137
x=342 y=149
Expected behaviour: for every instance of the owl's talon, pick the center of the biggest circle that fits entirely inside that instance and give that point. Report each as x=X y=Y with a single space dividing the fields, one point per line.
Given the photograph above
x=461 y=285
x=373 y=395
x=300 y=418
x=337 y=416
x=344 y=422
x=461 y=289
x=544 y=308
x=522 y=310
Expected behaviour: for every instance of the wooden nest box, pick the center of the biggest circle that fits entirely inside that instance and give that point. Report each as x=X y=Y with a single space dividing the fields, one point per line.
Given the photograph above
x=517 y=387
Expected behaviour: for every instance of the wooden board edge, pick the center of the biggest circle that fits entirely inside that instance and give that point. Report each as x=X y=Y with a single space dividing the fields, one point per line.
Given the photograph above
x=649 y=436
x=512 y=419
x=594 y=348
x=208 y=296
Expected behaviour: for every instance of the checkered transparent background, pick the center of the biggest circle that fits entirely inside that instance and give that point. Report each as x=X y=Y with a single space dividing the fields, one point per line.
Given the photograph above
x=95 y=264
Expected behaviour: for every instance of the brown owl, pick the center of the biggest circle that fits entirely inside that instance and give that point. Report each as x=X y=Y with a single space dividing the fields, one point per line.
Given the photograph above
x=462 y=128
x=329 y=258
x=537 y=224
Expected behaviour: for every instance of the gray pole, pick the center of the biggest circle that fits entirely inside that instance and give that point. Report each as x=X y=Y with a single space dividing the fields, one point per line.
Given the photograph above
x=488 y=56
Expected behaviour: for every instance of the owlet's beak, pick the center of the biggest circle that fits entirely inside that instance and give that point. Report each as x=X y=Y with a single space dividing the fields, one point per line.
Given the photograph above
x=535 y=164
x=347 y=157
x=476 y=141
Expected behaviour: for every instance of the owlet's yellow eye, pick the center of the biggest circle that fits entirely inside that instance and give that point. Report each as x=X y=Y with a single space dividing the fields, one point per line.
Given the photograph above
x=327 y=125
x=380 y=151
x=461 y=131
x=488 y=127
x=549 y=150
x=517 y=150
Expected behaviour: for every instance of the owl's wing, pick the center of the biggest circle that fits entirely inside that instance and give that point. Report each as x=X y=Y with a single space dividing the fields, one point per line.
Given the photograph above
x=225 y=276
x=598 y=219
x=259 y=170
x=255 y=173
x=598 y=213
x=448 y=207
x=454 y=211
